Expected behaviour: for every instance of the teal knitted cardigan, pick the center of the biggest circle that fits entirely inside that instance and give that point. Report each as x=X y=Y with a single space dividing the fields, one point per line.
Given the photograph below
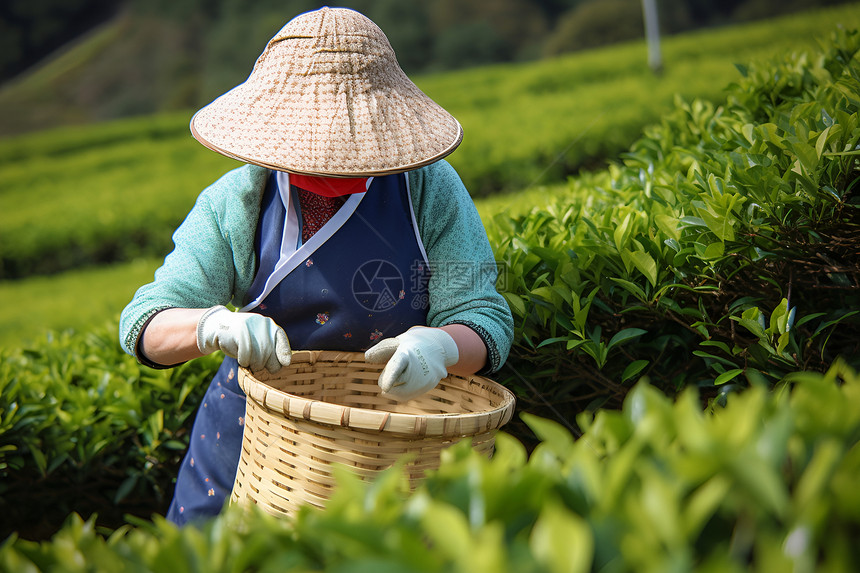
x=214 y=263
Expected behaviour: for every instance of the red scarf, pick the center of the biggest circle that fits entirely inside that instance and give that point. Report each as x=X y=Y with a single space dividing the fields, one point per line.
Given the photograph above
x=329 y=186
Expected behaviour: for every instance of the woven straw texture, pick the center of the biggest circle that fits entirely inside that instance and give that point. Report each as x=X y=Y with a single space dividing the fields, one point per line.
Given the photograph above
x=326 y=408
x=327 y=97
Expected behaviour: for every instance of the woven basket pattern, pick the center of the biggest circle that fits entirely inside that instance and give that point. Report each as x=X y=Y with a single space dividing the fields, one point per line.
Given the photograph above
x=325 y=408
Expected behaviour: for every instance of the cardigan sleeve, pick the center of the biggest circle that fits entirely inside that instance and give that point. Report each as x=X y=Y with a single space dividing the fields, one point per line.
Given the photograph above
x=463 y=269
x=213 y=257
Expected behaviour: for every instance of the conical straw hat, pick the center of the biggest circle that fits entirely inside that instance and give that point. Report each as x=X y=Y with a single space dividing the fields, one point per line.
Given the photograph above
x=327 y=97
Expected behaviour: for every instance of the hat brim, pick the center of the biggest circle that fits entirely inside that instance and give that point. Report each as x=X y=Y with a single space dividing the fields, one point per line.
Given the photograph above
x=328 y=98
x=250 y=149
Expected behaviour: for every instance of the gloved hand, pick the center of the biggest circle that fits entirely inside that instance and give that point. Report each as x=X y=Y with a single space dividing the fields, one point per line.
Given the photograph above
x=252 y=339
x=417 y=360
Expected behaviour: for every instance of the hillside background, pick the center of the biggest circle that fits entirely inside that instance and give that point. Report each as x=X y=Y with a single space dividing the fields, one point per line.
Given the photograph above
x=65 y=62
x=129 y=175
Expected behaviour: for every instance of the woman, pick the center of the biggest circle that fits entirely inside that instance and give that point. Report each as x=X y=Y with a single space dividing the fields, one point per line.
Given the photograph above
x=345 y=230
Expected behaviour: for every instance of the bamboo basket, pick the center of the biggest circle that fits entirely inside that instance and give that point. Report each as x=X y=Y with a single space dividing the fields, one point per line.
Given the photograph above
x=326 y=408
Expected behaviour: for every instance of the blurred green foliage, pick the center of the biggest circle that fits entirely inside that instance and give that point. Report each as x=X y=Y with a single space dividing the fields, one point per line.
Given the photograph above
x=73 y=198
x=765 y=483
x=427 y=34
x=38 y=306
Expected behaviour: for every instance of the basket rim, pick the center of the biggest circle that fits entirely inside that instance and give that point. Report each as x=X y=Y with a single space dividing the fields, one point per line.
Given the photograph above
x=366 y=419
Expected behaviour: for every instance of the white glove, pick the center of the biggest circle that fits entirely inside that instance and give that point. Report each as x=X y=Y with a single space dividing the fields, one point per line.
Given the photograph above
x=252 y=339
x=417 y=360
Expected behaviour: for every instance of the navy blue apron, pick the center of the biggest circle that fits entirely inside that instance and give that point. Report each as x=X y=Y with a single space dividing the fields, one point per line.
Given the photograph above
x=363 y=276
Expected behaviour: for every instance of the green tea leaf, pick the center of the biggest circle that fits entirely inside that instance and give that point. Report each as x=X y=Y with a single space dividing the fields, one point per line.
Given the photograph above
x=630 y=287
x=621 y=233
x=704 y=502
x=693 y=221
x=39 y=458
x=645 y=264
x=562 y=541
x=717 y=344
x=806 y=155
x=821 y=142
x=448 y=529
x=727 y=376
x=623 y=336
x=669 y=225
x=633 y=369
x=516 y=303
x=549 y=432
x=714 y=251
x=549 y=341
x=125 y=488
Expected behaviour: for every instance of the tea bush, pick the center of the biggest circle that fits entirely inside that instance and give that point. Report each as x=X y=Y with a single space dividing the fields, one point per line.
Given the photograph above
x=766 y=483
x=85 y=428
x=722 y=249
